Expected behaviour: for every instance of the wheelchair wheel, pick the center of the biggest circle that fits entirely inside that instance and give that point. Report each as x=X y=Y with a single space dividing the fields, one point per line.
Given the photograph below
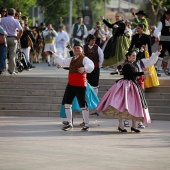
x=20 y=68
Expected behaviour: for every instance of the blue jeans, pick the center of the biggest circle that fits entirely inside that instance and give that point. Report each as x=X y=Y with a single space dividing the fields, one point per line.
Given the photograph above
x=3 y=50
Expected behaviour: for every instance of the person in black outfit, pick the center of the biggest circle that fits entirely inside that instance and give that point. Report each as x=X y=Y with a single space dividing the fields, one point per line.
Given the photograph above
x=140 y=39
x=118 y=44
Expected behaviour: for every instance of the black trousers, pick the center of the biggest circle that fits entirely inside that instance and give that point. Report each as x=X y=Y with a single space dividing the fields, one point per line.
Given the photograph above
x=165 y=46
x=93 y=77
x=71 y=92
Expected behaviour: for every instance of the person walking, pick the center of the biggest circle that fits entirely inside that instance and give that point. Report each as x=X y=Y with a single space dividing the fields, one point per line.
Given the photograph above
x=49 y=35
x=14 y=31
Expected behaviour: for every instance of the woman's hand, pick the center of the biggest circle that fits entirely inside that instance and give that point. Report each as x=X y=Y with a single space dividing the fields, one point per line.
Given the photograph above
x=102 y=17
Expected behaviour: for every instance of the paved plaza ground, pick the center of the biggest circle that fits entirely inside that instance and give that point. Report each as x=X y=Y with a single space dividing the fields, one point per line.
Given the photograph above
x=38 y=143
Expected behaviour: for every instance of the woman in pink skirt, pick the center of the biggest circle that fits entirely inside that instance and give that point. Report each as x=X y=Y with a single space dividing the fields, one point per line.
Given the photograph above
x=125 y=99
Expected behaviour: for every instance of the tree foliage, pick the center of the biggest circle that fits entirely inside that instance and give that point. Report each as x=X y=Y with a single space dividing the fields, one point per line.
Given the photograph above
x=155 y=9
x=21 y=5
x=54 y=9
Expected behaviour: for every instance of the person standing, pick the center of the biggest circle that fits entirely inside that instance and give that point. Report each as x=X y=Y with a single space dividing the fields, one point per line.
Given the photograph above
x=49 y=35
x=164 y=28
x=94 y=53
x=14 y=31
x=61 y=41
x=140 y=39
x=79 y=31
x=78 y=65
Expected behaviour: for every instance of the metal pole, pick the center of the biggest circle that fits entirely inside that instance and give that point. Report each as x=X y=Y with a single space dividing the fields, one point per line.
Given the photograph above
x=70 y=15
x=84 y=4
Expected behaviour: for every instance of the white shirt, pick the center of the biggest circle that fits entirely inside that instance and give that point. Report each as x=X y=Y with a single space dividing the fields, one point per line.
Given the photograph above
x=65 y=62
x=159 y=28
x=79 y=31
x=62 y=38
x=149 y=61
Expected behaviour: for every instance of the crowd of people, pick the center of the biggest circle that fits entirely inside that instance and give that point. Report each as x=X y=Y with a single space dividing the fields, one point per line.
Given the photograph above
x=131 y=48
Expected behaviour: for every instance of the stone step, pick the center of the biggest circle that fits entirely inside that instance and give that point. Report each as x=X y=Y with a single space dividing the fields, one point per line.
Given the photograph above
x=31 y=92
x=31 y=113
x=42 y=86
x=160 y=116
x=35 y=113
x=157 y=95
x=64 y=80
x=159 y=89
x=30 y=99
x=159 y=109
x=158 y=102
x=29 y=106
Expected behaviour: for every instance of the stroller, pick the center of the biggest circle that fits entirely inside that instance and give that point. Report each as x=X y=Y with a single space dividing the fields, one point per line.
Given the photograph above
x=21 y=61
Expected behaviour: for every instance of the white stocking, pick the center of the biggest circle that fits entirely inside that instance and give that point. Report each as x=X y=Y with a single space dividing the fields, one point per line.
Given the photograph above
x=86 y=117
x=48 y=58
x=68 y=111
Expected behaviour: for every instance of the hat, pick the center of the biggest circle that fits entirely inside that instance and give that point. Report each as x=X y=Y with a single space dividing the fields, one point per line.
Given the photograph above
x=167 y=12
x=91 y=37
x=77 y=43
x=141 y=13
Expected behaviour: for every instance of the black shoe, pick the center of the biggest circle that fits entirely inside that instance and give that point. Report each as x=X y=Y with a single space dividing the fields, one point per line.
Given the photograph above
x=49 y=64
x=82 y=124
x=135 y=130
x=65 y=123
x=121 y=130
x=85 y=129
x=67 y=128
x=113 y=73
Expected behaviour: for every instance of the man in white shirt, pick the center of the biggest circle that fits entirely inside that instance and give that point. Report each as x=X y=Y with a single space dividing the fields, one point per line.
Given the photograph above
x=79 y=31
x=164 y=28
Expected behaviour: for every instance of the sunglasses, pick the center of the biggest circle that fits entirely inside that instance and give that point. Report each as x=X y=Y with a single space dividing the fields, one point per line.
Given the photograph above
x=4 y=11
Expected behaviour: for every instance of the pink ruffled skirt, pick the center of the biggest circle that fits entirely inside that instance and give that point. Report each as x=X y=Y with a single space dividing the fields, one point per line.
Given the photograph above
x=123 y=99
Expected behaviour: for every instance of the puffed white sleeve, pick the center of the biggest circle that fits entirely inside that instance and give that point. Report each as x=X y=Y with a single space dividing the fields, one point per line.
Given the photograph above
x=158 y=30
x=92 y=31
x=151 y=60
x=65 y=62
x=101 y=56
x=88 y=65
